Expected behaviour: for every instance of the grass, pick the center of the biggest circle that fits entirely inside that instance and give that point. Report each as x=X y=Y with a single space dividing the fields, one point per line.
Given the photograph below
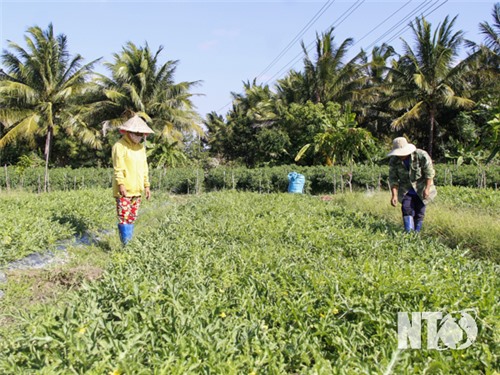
x=37 y=223
x=30 y=291
x=241 y=283
x=470 y=224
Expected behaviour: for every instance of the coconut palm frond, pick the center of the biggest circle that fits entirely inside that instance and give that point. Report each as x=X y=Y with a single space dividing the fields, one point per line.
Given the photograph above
x=25 y=128
x=413 y=113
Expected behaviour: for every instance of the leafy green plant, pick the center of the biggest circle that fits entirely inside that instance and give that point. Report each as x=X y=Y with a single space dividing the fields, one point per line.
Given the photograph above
x=31 y=224
x=234 y=282
x=163 y=155
x=342 y=142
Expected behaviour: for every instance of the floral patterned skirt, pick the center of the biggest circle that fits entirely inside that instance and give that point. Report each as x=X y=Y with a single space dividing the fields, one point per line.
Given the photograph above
x=127 y=209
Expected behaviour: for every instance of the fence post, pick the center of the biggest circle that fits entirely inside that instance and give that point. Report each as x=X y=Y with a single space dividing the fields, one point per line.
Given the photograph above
x=349 y=182
x=481 y=183
x=197 y=186
x=7 y=182
x=447 y=173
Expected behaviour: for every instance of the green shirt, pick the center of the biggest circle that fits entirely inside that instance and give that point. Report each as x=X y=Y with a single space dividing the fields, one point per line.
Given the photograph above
x=421 y=169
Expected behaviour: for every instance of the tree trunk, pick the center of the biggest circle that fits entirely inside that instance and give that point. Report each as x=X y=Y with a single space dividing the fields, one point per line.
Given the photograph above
x=432 y=120
x=47 y=153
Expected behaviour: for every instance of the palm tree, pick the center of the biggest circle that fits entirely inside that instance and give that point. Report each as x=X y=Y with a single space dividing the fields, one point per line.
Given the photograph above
x=369 y=106
x=217 y=136
x=254 y=110
x=139 y=84
x=492 y=32
x=486 y=57
x=40 y=89
x=292 y=88
x=329 y=78
x=257 y=102
x=425 y=79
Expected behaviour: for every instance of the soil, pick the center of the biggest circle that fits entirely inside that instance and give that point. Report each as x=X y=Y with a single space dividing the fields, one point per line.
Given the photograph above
x=46 y=284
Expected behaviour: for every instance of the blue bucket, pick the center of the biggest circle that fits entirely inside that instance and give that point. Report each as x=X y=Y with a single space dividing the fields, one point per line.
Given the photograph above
x=296 y=182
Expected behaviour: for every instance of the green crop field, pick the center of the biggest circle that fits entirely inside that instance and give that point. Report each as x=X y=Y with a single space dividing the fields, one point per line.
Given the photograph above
x=34 y=223
x=246 y=283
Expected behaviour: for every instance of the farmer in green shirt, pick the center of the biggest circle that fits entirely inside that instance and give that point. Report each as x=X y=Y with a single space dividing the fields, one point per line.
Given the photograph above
x=411 y=175
x=131 y=174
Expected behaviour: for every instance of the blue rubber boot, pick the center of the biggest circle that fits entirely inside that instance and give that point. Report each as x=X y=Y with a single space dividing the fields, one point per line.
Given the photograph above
x=408 y=222
x=126 y=231
x=418 y=226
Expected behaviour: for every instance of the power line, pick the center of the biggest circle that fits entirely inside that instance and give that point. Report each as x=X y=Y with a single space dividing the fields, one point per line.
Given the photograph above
x=346 y=14
x=403 y=20
x=318 y=14
x=425 y=15
x=411 y=14
x=308 y=25
x=425 y=6
x=381 y=23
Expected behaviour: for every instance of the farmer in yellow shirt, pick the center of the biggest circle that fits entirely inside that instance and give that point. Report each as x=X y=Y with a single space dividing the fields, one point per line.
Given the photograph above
x=131 y=174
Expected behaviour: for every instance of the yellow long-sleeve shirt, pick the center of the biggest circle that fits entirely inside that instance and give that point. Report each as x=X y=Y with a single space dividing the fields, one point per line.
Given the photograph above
x=130 y=167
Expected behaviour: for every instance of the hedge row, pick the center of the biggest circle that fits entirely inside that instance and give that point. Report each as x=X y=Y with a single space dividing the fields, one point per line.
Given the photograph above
x=319 y=179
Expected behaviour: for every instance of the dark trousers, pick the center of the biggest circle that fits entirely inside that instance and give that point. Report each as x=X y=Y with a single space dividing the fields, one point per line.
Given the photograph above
x=413 y=206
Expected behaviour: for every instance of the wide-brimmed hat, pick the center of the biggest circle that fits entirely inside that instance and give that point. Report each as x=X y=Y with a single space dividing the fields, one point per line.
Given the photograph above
x=401 y=147
x=136 y=125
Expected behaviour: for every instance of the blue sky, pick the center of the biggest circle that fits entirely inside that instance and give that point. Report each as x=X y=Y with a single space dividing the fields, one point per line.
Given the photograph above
x=223 y=43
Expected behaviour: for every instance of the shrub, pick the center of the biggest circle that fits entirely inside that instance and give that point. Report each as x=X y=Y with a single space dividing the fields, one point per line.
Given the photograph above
x=187 y=180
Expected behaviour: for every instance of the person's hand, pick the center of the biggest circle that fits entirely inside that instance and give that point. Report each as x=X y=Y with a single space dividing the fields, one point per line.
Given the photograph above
x=122 y=190
x=426 y=193
x=394 y=201
x=147 y=192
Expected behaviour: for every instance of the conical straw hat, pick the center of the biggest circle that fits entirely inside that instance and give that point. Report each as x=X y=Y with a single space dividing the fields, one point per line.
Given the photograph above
x=136 y=125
